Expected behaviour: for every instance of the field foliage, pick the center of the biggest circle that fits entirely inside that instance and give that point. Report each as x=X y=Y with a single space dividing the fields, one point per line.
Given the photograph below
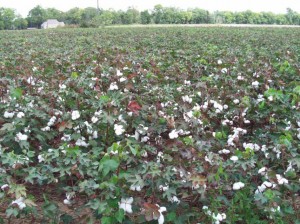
x=158 y=125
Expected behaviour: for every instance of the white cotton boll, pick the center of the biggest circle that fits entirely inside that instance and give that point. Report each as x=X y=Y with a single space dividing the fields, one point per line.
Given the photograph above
x=225 y=106
x=135 y=188
x=41 y=158
x=145 y=139
x=267 y=184
x=95 y=135
x=163 y=187
x=119 y=73
x=270 y=98
x=123 y=79
x=238 y=186
x=236 y=101
x=125 y=204
x=224 y=70
x=81 y=142
x=51 y=121
x=67 y=202
x=31 y=81
x=113 y=86
x=224 y=151
x=240 y=77
x=3 y=187
x=255 y=84
x=262 y=171
x=161 y=219
x=66 y=138
x=75 y=115
x=219 y=62
x=187 y=99
x=173 y=134
x=281 y=180
x=119 y=129
x=21 y=137
x=186 y=82
x=94 y=119
x=20 y=203
x=234 y=158
x=246 y=121
x=20 y=115
x=174 y=199
x=62 y=86
x=8 y=114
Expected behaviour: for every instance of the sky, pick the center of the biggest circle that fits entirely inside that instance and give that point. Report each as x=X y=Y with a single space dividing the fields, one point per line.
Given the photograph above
x=276 y=6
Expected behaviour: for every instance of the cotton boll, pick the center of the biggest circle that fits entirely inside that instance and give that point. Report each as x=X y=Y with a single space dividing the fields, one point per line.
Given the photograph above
x=20 y=115
x=236 y=101
x=125 y=204
x=173 y=134
x=113 y=86
x=238 y=186
x=119 y=129
x=8 y=114
x=234 y=158
x=75 y=115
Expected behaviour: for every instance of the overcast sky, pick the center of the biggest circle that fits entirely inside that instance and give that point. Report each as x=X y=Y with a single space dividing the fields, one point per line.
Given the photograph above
x=276 y=6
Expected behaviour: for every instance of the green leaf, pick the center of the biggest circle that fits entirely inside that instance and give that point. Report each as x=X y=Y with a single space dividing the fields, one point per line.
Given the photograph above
x=7 y=127
x=171 y=216
x=16 y=92
x=74 y=75
x=106 y=220
x=120 y=215
x=107 y=165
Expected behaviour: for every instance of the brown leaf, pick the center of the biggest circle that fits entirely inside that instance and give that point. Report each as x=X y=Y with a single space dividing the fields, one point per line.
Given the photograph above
x=134 y=107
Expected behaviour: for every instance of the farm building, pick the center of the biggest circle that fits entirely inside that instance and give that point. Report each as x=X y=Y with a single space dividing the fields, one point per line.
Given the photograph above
x=52 y=23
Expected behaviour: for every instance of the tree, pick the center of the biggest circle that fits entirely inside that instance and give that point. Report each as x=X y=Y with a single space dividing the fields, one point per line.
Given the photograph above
x=37 y=16
x=7 y=17
x=74 y=15
x=87 y=16
x=52 y=13
x=146 y=17
x=200 y=16
x=131 y=16
x=157 y=14
x=20 y=23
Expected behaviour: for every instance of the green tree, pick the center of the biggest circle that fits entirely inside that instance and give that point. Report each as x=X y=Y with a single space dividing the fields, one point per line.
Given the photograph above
x=36 y=16
x=52 y=13
x=74 y=16
x=157 y=14
x=20 y=23
x=200 y=16
x=7 y=17
x=146 y=17
x=88 y=16
x=131 y=16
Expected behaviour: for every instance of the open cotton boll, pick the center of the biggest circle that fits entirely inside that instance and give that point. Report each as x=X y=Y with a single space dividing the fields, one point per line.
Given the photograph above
x=21 y=137
x=75 y=115
x=20 y=202
x=8 y=114
x=125 y=204
x=234 y=158
x=113 y=86
x=135 y=188
x=238 y=186
x=119 y=129
x=255 y=84
x=20 y=115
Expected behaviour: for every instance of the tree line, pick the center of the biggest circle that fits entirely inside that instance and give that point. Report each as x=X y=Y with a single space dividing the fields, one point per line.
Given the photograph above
x=93 y=17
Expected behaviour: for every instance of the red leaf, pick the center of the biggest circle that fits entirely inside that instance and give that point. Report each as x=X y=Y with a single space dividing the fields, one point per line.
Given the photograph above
x=134 y=107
